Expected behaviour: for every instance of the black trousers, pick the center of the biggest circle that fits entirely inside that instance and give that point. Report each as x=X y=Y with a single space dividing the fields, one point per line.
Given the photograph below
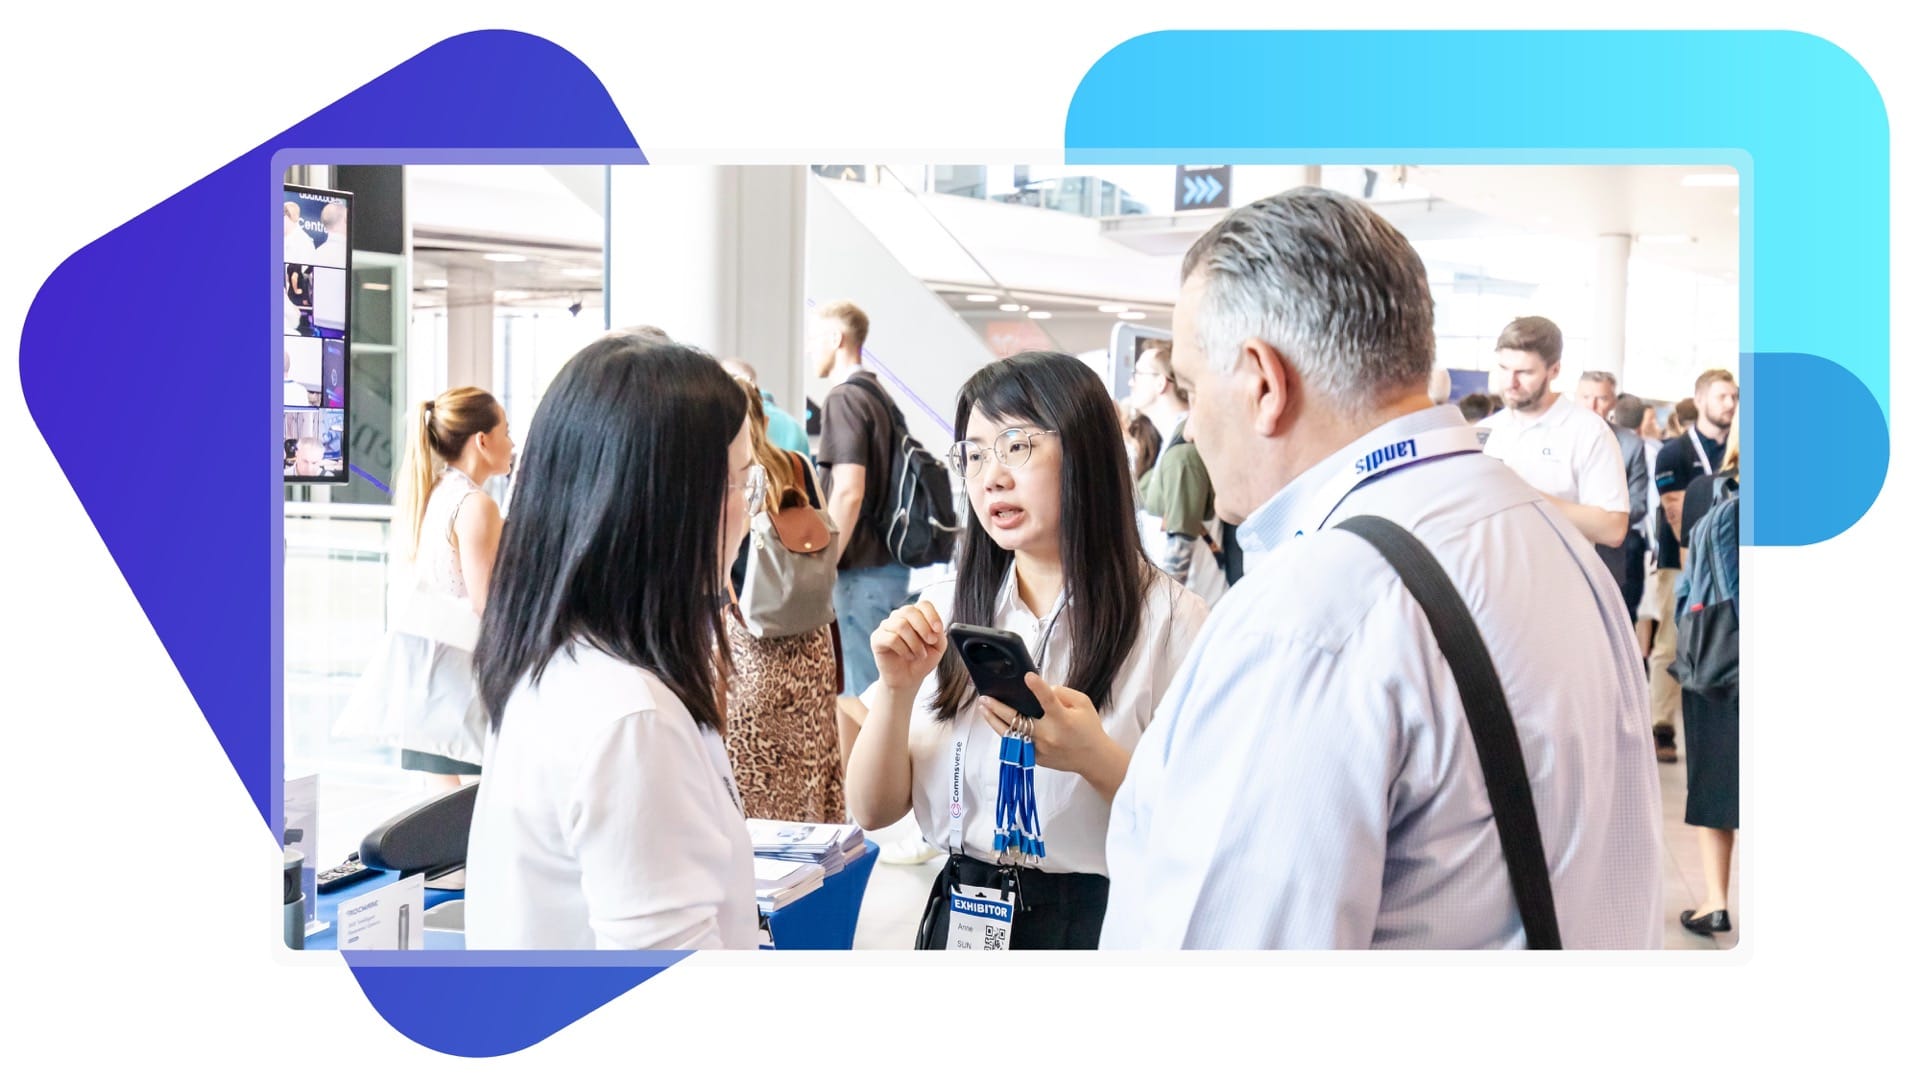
x=1056 y=911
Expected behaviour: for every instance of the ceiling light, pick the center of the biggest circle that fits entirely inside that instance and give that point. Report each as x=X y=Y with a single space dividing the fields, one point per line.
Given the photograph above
x=501 y=256
x=1726 y=179
x=376 y=286
x=1133 y=314
x=981 y=298
x=434 y=283
x=1039 y=314
x=1009 y=307
x=581 y=271
x=1664 y=238
x=1113 y=309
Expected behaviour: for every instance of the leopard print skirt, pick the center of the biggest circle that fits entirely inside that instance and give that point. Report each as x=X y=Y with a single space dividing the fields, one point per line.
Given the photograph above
x=782 y=736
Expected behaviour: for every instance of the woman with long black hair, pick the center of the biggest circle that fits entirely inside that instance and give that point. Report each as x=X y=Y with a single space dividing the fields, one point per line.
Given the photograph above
x=1050 y=553
x=609 y=817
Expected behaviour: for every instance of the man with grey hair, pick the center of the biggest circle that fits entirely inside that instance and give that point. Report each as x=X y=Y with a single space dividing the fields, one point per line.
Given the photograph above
x=1310 y=780
x=1599 y=393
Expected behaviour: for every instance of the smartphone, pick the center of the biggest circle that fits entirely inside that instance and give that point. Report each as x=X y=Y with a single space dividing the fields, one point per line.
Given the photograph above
x=998 y=662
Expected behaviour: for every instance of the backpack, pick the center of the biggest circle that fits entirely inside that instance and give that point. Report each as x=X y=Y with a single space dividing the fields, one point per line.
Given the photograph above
x=1226 y=553
x=790 y=570
x=1707 y=599
x=917 y=522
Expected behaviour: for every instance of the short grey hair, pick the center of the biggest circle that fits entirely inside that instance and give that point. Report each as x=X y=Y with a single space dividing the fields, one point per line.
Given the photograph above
x=1327 y=282
x=1629 y=411
x=1601 y=376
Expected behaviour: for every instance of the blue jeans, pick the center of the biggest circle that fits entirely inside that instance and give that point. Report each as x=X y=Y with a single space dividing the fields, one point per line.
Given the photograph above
x=862 y=600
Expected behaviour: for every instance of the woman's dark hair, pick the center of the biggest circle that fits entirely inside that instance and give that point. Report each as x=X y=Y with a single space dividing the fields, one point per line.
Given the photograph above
x=614 y=537
x=1106 y=572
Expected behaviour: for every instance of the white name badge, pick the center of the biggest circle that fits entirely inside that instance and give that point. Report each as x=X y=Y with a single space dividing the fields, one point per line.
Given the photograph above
x=979 y=918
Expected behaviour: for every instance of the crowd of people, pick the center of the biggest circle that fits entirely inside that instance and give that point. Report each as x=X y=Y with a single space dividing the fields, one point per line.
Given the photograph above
x=1318 y=659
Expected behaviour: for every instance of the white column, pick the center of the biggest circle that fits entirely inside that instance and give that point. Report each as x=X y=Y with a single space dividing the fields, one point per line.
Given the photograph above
x=1610 y=305
x=469 y=331
x=714 y=256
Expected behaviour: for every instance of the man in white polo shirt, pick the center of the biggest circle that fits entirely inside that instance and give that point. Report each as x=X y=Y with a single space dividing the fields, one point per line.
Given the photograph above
x=1564 y=451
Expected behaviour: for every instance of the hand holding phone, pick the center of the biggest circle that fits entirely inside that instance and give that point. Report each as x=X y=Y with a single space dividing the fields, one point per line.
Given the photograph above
x=1067 y=734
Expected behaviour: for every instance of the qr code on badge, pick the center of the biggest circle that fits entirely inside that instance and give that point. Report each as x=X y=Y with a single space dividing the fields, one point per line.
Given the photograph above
x=996 y=937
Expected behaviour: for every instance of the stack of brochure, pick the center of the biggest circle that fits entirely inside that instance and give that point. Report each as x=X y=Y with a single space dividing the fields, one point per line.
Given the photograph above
x=828 y=846
x=779 y=882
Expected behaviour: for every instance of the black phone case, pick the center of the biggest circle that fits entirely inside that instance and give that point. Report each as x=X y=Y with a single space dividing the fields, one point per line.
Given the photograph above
x=1003 y=681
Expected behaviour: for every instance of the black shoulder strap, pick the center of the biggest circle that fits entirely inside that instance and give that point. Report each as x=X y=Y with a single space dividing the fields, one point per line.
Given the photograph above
x=893 y=411
x=1494 y=737
x=805 y=469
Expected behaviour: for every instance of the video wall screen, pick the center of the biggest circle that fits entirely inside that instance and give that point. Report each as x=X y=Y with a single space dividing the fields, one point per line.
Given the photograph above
x=316 y=266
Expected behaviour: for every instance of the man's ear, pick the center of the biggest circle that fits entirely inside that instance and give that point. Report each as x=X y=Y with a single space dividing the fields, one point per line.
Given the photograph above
x=1272 y=381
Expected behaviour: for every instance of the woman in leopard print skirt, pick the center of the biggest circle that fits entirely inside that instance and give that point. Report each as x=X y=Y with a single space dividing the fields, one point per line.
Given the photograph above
x=781 y=732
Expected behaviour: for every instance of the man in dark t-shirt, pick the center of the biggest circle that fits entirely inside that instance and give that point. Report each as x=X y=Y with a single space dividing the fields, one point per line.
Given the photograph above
x=1697 y=452
x=858 y=444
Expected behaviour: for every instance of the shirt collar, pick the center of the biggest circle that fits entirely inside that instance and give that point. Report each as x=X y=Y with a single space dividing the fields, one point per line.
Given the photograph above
x=1280 y=517
x=1555 y=413
x=1009 y=605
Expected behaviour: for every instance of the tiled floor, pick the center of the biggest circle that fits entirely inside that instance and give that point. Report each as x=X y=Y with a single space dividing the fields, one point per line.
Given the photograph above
x=897 y=894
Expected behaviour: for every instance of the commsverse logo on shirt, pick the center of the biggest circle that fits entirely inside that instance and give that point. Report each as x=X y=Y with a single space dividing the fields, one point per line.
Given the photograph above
x=1385 y=455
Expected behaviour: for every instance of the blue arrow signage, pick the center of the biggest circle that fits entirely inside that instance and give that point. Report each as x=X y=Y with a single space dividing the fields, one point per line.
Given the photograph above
x=1199 y=187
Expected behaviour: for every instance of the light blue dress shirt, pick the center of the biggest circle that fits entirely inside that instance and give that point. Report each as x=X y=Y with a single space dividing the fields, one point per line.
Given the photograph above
x=1309 y=780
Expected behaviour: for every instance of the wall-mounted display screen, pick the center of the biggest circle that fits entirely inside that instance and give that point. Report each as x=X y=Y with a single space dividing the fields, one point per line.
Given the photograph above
x=316 y=265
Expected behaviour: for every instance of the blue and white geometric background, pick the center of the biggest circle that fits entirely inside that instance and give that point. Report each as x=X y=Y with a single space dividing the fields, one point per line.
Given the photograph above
x=1798 y=117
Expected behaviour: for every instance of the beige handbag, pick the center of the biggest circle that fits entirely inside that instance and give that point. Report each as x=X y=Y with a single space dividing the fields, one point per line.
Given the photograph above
x=790 y=572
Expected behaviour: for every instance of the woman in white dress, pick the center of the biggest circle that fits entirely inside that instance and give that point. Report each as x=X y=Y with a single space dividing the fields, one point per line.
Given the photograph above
x=422 y=686
x=608 y=816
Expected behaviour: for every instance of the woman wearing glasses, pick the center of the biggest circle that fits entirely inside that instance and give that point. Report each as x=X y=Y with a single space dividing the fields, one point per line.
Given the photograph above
x=1051 y=554
x=609 y=816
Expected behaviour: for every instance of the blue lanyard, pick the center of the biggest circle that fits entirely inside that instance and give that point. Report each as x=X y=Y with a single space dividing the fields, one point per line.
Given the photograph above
x=1017 y=838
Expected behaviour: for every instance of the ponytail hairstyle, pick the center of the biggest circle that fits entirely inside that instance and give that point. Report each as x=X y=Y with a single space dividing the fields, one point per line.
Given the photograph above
x=436 y=436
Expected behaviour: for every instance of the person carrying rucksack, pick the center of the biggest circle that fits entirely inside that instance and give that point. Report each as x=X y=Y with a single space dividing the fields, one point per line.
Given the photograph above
x=891 y=500
x=1707 y=666
x=1187 y=541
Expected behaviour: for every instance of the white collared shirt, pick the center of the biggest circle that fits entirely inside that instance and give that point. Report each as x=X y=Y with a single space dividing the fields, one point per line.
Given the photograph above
x=607 y=819
x=1073 y=815
x=1310 y=781
x=1566 y=451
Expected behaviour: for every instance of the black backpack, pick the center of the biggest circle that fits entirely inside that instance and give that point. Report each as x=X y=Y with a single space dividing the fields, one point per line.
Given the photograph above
x=916 y=520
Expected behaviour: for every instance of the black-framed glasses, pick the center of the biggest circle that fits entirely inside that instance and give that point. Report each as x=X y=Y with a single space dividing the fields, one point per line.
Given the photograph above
x=1011 y=449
